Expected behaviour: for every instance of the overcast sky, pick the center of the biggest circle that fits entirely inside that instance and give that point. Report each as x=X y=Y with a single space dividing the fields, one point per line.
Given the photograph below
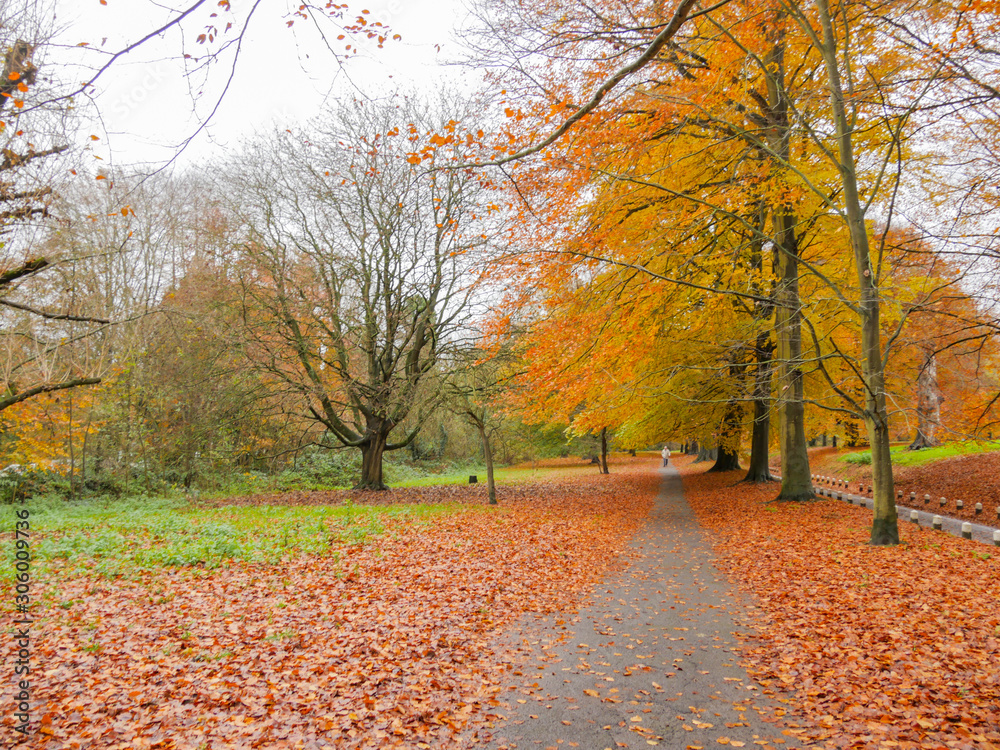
x=283 y=76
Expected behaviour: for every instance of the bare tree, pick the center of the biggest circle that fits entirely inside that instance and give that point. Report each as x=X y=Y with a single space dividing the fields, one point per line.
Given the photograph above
x=474 y=393
x=358 y=267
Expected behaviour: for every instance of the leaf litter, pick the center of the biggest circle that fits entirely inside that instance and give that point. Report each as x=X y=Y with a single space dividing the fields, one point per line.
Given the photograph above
x=381 y=644
x=869 y=647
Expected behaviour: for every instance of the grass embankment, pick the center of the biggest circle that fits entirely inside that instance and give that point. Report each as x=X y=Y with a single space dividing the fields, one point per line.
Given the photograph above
x=134 y=536
x=955 y=471
x=869 y=647
x=902 y=456
x=341 y=471
x=550 y=470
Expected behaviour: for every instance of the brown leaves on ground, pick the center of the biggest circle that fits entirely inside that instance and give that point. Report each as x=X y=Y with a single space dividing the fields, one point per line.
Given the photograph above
x=381 y=645
x=876 y=647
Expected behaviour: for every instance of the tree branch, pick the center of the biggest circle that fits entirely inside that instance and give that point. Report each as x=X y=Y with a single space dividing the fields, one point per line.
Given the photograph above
x=38 y=389
x=52 y=316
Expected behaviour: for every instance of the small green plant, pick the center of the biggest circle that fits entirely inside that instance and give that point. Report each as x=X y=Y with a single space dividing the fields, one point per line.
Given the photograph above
x=861 y=458
x=207 y=656
x=284 y=635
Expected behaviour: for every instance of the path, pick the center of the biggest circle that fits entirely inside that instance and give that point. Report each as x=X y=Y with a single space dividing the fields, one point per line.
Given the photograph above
x=649 y=661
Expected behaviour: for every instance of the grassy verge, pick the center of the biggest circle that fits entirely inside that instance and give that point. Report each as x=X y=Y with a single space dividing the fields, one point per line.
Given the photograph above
x=903 y=457
x=132 y=536
x=128 y=537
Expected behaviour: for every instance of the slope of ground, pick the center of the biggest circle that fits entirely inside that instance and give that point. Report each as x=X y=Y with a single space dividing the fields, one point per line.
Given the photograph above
x=971 y=478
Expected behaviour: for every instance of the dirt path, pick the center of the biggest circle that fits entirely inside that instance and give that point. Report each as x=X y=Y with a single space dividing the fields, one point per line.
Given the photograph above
x=649 y=661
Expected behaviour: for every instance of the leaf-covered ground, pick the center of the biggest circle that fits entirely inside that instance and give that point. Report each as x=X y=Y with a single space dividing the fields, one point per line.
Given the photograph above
x=378 y=644
x=971 y=478
x=872 y=647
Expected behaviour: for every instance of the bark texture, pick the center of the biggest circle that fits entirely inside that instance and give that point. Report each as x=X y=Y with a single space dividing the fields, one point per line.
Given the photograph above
x=796 y=482
x=929 y=399
x=604 y=451
x=760 y=469
x=705 y=454
x=488 y=455
x=885 y=527
x=728 y=457
x=371 y=463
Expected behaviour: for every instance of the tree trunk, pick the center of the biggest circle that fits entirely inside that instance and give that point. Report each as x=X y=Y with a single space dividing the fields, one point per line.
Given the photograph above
x=796 y=482
x=692 y=448
x=72 y=453
x=852 y=434
x=929 y=400
x=488 y=454
x=760 y=469
x=83 y=458
x=705 y=454
x=729 y=442
x=371 y=462
x=604 y=451
x=885 y=527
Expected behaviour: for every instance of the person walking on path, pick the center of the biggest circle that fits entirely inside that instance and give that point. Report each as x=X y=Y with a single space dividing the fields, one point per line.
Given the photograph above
x=666 y=455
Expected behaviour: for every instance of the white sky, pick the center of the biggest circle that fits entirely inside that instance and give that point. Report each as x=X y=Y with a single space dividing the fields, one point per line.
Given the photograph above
x=283 y=76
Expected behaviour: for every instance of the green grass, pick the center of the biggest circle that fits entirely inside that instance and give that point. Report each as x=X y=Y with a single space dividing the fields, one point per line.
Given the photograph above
x=128 y=537
x=903 y=457
x=131 y=536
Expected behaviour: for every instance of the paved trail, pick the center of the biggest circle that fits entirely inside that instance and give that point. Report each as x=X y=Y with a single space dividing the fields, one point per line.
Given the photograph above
x=650 y=661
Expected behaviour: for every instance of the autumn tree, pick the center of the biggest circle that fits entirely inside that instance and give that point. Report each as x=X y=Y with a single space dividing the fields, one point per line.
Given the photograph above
x=704 y=57
x=357 y=267
x=758 y=79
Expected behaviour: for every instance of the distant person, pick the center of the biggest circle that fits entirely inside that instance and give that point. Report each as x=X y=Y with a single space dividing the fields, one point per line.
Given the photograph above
x=666 y=455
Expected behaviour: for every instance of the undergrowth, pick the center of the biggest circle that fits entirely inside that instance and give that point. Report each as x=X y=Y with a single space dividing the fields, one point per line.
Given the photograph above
x=135 y=535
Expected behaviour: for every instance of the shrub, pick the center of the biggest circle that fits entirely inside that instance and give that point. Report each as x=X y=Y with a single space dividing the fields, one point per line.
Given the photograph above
x=862 y=458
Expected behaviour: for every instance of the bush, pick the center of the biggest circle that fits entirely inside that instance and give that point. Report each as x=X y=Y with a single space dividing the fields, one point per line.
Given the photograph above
x=18 y=482
x=320 y=468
